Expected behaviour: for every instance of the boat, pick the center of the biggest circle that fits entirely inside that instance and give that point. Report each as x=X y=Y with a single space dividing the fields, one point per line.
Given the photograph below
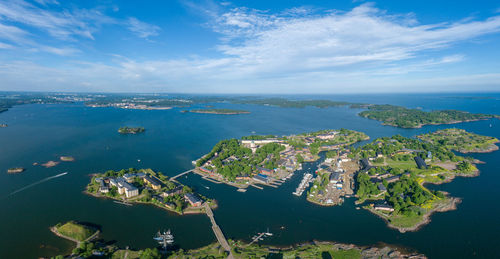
x=164 y=239
x=269 y=234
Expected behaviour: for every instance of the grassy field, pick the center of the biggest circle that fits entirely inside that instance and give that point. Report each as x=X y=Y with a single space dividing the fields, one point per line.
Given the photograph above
x=75 y=231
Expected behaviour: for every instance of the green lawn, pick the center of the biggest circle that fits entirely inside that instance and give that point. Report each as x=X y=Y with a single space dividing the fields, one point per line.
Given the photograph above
x=76 y=231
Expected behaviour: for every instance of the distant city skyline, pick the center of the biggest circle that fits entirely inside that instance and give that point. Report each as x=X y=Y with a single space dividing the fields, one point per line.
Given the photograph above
x=257 y=47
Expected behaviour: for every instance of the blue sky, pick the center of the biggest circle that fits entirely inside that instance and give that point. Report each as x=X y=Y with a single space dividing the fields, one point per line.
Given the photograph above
x=287 y=47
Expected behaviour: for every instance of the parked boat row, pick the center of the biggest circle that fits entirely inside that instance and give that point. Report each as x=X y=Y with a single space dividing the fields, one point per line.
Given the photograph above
x=303 y=184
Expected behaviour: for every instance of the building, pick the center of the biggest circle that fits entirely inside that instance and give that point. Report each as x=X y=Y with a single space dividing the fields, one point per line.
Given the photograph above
x=261 y=178
x=381 y=187
x=420 y=163
x=204 y=169
x=192 y=199
x=126 y=188
x=103 y=187
x=175 y=191
x=265 y=171
x=335 y=177
x=153 y=182
x=384 y=207
x=365 y=164
x=129 y=177
x=392 y=178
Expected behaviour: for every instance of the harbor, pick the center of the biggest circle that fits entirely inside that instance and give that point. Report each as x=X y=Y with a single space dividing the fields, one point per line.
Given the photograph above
x=303 y=184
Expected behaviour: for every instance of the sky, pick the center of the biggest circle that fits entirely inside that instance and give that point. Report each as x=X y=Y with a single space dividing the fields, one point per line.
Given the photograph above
x=278 y=47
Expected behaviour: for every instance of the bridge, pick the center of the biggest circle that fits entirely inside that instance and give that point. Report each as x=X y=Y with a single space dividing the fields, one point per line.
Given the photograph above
x=181 y=174
x=217 y=231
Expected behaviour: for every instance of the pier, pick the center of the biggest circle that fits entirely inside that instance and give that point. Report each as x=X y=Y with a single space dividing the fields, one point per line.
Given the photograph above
x=181 y=174
x=217 y=231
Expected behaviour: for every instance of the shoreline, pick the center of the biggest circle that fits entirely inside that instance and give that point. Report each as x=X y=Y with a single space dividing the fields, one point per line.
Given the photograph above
x=427 y=124
x=184 y=212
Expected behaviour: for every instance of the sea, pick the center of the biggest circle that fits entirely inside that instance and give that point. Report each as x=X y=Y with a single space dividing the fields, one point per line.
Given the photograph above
x=33 y=201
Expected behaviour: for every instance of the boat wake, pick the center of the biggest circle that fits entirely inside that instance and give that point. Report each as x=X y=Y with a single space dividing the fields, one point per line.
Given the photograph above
x=37 y=183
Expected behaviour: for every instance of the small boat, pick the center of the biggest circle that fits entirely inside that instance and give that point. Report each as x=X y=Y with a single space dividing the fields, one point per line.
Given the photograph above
x=138 y=160
x=268 y=233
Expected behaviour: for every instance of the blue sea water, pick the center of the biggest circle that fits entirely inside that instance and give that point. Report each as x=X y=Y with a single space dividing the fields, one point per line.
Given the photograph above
x=38 y=133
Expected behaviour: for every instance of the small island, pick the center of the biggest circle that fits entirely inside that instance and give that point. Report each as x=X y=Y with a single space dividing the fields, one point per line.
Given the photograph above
x=67 y=158
x=15 y=170
x=130 y=130
x=129 y=186
x=402 y=117
x=220 y=111
x=3 y=125
x=79 y=233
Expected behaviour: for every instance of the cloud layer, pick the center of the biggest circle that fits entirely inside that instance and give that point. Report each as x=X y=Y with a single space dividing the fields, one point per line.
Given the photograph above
x=297 y=50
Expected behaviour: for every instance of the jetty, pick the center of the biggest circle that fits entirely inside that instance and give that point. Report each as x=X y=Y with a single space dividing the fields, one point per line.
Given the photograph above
x=217 y=231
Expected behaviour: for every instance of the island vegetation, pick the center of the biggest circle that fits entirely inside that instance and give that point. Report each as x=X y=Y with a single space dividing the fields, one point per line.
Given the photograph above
x=74 y=231
x=415 y=118
x=219 y=111
x=242 y=250
x=394 y=171
x=266 y=159
x=130 y=130
x=461 y=141
x=147 y=186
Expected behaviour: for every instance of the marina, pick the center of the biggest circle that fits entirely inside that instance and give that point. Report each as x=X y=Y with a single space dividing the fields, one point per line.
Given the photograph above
x=303 y=184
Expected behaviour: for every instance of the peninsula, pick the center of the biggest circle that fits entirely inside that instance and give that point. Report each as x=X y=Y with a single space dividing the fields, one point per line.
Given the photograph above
x=146 y=186
x=461 y=141
x=130 y=130
x=402 y=117
x=220 y=111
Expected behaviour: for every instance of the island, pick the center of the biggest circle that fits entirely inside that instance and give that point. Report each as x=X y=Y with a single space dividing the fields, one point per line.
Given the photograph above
x=402 y=117
x=220 y=111
x=461 y=141
x=67 y=158
x=15 y=170
x=130 y=130
x=269 y=160
x=129 y=186
x=394 y=170
x=82 y=234
x=50 y=163
x=242 y=250
x=3 y=125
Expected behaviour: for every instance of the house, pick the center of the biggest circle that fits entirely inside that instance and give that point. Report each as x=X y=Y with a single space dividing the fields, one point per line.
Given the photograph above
x=392 y=178
x=334 y=177
x=261 y=178
x=381 y=187
x=365 y=165
x=264 y=170
x=339 y=185
x=205 y=170
x=192 y=199
x=420 y=162
x=103 y=188
x=384 y=207
x=153 y=182
x=175 y=191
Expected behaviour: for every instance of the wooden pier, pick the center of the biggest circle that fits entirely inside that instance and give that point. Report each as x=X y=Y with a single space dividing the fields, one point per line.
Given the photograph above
x=217 y=231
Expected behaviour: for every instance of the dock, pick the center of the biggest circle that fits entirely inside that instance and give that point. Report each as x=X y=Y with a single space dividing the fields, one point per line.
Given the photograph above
x=303 y=184
x=217 y=231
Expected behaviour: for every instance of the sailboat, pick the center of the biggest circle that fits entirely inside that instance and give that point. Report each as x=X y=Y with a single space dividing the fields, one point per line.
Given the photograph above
x=268 y=233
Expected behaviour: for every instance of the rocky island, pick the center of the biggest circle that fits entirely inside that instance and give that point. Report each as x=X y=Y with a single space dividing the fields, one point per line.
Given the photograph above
x=130 y=130
x=146 y=186
x=220 y=111
x=15 y=170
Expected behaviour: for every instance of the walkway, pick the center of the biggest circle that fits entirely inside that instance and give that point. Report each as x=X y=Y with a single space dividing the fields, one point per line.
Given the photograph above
x=181 y=174
x=217 y=231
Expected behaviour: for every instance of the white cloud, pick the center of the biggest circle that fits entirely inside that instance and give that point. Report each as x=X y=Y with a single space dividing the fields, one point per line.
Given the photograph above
x=142 y=29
